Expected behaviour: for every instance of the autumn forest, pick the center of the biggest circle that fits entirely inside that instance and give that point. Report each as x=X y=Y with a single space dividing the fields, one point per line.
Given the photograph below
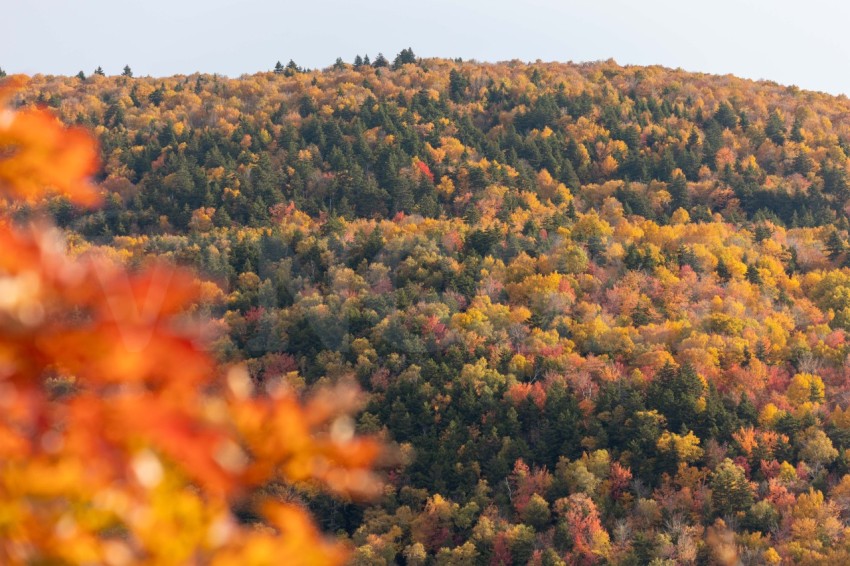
x=454 y=313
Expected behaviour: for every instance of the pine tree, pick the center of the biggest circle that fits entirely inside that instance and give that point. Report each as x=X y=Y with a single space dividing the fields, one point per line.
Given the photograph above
x=568 y=176
x=358 y=62
x=128 y=72
x=676 y=394
x=157 y=96
x=797 y=130
x=726 y=116
x=753 y=275
x=291 y=69
x=380 y=61
x=81 y=75
x=730 y=490
x=835 y=245
x=99 y=71
x=596 y=249
x=762 y=232
x=679 y=196
x=775 y=128
x=458 y=84
x=723 y=270
x=404 y=57
x=134 y=96
x=278 y=68
x=791 y=265
x=802 y=163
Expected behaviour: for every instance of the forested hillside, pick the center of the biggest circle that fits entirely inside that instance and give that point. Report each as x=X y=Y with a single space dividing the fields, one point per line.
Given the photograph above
x=602 y=312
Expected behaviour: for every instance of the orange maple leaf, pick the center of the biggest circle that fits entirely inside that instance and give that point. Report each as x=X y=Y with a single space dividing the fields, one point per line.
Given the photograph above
x=38 y=153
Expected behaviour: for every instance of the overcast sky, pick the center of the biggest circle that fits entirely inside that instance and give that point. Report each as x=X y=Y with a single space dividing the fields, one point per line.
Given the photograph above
x=787 y=41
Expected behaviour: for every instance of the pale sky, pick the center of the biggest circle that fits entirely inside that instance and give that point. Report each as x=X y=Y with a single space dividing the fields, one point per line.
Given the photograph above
x=787 y=41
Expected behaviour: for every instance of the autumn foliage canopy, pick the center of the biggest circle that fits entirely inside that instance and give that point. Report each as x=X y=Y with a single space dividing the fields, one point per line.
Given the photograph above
x=120 y=440
x=602 y=313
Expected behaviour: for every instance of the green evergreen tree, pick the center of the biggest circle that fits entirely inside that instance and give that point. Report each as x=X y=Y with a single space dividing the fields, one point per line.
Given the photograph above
x=157 y=96
x=731 y=493
x=803 y=163
x=134 y=96
x=292 y=69
x=679 y=195
x=775 y=128
x=406 y=56
x=676 y=393
x=797 y=130
x=835 y=245
x=726 y=116
x=723 y=271
x=753 y=275
x=761 y=233
x=458 y=83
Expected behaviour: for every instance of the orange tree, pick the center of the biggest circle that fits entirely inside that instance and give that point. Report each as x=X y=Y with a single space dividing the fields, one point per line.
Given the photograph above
x=120 y=441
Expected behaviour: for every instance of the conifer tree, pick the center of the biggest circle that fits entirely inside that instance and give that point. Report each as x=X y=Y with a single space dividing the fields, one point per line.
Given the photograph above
x=775 y=128
x=291 y=69
x=730 y=490
x=835 y=245
x=404 y=57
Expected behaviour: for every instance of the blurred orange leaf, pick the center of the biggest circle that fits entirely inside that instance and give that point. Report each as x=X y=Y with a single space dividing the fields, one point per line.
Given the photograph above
x=37 y=153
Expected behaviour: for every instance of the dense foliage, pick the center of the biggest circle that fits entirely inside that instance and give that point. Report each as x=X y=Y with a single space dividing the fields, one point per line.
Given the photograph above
x=120 y=442
x=602 y=311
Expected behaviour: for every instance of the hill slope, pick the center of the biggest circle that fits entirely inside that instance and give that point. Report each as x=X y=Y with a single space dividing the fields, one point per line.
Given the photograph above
x=602 y=310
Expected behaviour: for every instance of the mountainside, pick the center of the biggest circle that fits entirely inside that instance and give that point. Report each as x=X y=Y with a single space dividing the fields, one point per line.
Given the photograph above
x=602 y=311
x=349 y=140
